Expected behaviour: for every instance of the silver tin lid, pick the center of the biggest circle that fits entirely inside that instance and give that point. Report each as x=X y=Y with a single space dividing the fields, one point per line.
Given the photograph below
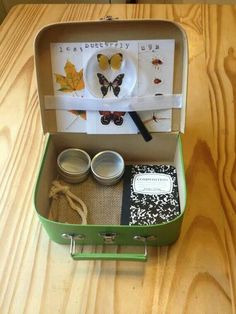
x=73 y=165
x=107 y=167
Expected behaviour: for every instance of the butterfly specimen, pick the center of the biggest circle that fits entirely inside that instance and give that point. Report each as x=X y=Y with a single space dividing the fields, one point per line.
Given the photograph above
x=114 y=61
x=156 y=62
x=106 y=85
x=108 y=116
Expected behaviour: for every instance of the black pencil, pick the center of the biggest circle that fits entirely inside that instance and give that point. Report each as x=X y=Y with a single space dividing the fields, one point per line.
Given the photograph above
x=140 y=125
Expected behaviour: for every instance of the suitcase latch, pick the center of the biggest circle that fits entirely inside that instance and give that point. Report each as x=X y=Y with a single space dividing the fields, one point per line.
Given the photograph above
x=108 y=237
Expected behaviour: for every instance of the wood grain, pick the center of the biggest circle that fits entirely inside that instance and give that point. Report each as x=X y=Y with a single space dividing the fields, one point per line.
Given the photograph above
x=195 y=275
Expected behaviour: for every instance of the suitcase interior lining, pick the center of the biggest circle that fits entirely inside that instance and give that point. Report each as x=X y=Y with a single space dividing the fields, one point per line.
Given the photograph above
x=103 y=202
x=109 y=31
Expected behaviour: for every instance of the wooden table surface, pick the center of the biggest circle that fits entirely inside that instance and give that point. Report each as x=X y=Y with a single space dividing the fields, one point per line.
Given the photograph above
x=195 y=275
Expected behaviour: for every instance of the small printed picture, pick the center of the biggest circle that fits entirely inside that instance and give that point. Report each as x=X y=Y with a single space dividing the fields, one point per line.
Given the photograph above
x=156 y=67
x=156 y=71
x=67 y=71
x=157 y=121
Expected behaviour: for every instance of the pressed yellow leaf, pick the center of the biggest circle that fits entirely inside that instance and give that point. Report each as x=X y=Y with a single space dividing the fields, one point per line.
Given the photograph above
x=80 y=113
x=73 y=80
x=69 y=68
x=60 y=79
x=83 y=115
x=64 y=84
x=78 y=80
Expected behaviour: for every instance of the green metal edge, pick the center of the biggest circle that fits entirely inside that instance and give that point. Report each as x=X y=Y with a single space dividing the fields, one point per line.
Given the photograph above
x=183 y=169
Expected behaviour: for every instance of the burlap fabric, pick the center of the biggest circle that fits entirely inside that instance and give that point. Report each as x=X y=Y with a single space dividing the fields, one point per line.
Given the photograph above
x=103 y=203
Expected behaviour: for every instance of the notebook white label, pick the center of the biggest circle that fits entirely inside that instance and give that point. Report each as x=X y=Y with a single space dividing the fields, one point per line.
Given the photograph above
x=152 y=183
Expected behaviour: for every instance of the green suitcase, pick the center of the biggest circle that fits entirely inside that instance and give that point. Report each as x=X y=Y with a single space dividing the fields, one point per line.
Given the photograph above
x=164 y=148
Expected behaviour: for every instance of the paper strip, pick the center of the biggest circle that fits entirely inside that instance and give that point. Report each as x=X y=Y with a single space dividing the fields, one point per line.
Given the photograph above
x=145 y=103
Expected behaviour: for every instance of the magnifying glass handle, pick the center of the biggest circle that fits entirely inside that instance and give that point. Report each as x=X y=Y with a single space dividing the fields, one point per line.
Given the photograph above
x=140 y=125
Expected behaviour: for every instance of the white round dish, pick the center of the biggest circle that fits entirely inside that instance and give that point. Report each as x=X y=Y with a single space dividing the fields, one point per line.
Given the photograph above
x=110 y=83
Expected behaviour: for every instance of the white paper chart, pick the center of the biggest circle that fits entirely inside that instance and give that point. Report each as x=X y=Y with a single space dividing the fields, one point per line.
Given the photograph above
x=113 y=70
x=155 y=77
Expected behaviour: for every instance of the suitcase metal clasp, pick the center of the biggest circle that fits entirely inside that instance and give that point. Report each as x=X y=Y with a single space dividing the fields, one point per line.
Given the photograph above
x=108 y=238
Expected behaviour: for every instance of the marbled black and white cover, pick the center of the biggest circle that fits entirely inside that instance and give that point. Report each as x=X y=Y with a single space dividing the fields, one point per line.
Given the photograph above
x=150 y=195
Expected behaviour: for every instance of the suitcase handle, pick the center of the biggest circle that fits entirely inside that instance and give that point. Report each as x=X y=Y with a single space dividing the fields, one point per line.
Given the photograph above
x=106 y=256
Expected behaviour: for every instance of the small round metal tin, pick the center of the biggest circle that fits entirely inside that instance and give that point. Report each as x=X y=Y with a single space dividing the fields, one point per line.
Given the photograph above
x=107 y=167
x=73 y=165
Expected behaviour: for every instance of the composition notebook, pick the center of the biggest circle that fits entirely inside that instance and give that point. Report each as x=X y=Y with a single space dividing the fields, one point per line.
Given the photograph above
x=150 y=195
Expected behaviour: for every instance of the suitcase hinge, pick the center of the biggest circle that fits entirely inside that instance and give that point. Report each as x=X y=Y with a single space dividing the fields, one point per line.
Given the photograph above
x=108 y=18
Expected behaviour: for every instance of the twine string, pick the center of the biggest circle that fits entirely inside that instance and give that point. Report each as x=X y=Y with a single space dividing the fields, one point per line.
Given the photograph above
x=57 y=188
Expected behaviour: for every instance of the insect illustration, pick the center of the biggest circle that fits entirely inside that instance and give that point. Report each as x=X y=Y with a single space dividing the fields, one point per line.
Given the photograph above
x=156 y=62
x=106 y=85
x=114 y=61
x=155 y=118
x=108 y=116
x=157 y=81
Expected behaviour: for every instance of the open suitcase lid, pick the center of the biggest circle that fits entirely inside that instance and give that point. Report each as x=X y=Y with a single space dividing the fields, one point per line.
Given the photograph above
x=110 y=30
